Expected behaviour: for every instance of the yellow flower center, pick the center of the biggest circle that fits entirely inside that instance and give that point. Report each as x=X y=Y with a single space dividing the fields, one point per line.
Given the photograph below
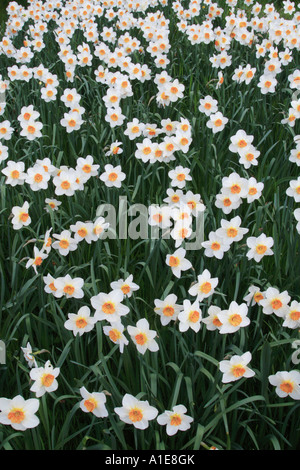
x=86 y=168
x=174 y=261
x=114 y=334
x=23 y=216
x=81 y=322
x=65 y=184
x=168 y=311
x=238 y=370
x=157 y=218
x=47 y=380
x=235 y=319
x=235 y=189
x=205 y=287
x=232 y=232
x=108 y=308
x=295 y=315
x=38 y=261
x=276 y=304
x=261 y=249
x=64 y=244
x=216 y=322
x=258 y=297
x=141 y=338
x=98 y=230
x=82 y=232
x=90 y=404
x=69 y=289
x=125 y=289
x=215 y=246
x=16 y=415
x=183 y=232
x=112 y=176
x=31 y=129
x=38 y=178
x=242 y=143
x=227 y=202
x=15 y=174
x=287 y=386
x=175 y=419
x=194 y=316
x=135 y=414
x=252 y=191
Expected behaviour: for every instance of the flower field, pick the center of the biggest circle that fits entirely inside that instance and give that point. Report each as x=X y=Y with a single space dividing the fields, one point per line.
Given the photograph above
x=150 y=225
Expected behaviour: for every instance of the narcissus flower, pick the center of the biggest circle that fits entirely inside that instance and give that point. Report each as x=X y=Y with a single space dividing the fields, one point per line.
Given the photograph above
x=234 y=318
x=179 y=176
x=167 y=309
x=14 y=172
x=136 y=412
x=205 y=286
x=112 y=176
x=254 y=297
x=227 y=202
x=65 y=182
x=190 y=316
x=240 y=141
x=27 y=351
x=294 y=189
x=21 y=216
x=93 y=403
x=275 y=302
x=44 y=379
x=217 y=122
x=215 y=246
x=292 y=317
x=65 y=243
x=19 y=413
x=231 y=230
x=178 y=262
x=38 y=257
x=212 y=320
x=236 y=368
x=37 y=178
x=254 y=189
x=72 y=121
x=6 y=130
x=52 y=204
x=83 y=231
x=127 y=286
x=286 y=383
x=109 y=306
x=68 y=287
x=87 y=166
x=32 y=130
x=143 y=337
x=115 y=333
x=175 y=420
x=259 y=247
x=208 y=105
x=267 y=83
x=80 y=322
